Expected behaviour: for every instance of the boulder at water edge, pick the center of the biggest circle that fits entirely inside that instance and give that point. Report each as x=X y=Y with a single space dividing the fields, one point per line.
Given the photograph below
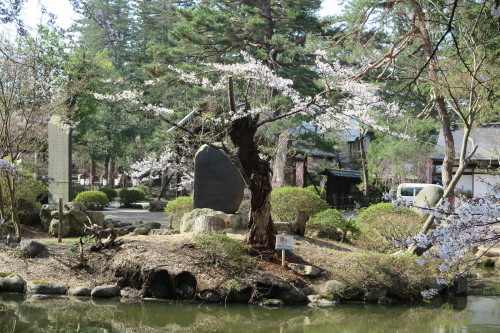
x=217 y=182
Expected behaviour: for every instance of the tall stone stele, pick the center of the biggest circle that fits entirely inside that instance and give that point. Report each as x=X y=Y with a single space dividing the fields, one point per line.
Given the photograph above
x=218 y=184
x=59 y=160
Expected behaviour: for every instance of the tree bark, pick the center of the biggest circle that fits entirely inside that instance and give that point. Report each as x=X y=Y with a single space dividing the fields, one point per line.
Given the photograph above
x=298 y=226
x=449 y=158
x=364 y=165
x=111 y=174
x=106 y=169
x=93 y=176
x=283 y=163
x=262 y=232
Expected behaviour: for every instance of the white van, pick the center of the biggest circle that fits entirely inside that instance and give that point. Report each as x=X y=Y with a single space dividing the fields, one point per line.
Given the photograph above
x=408 y=191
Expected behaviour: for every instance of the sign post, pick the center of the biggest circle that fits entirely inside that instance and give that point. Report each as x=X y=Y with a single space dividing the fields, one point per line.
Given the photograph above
x=284 y=243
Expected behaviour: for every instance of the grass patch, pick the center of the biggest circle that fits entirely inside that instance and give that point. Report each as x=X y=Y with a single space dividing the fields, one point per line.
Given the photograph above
x=223 y=251
x=42 y=282
x=5 y=274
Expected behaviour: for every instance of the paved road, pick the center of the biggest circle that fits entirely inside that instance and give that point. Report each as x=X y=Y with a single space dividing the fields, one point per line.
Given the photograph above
x=133 y=214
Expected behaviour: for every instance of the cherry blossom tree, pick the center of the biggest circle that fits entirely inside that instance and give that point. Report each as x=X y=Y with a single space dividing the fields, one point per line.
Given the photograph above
x=251 y=92
x=460 y=226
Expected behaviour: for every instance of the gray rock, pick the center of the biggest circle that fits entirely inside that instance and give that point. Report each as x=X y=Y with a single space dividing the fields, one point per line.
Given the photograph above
x=386 y=300
x=375 y=295
x=137 y=223
x=291 y=295
x=338 y=290
x=12 y=239
x=79 y=216
x=142 y=231
x=271 y=302
x=428 y=197
x=307 y=291
x=152 y=225
x=208 y=224
x=77 y=220
x=130 y=228
x=321 y=300
x=236 y=221
x=32 y=248
x=12 y=283
x=54 y=227
x=304 y=270
x=97 y=218
x=73 y=206
x=45 y=289
x=45 y=215
x=27 y=212
x=210 y=296
x=217 y=182
x=106 y=291
x=80 y=291
x=130 y=293
x=122 y=232
x=123 y=224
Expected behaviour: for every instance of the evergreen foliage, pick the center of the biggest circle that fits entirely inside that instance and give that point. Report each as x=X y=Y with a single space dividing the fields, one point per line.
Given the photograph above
x=287 y=201
x=179 y=206
x=382 y=224
x=93 y=200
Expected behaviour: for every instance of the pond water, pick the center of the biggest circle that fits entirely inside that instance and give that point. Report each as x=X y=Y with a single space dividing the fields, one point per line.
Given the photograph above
x=19 y=313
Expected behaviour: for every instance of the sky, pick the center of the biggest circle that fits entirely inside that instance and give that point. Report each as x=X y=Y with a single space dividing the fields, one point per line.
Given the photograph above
x=65 y=15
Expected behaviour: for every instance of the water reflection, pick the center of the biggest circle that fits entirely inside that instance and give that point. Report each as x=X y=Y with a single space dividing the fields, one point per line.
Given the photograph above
x=63 y=314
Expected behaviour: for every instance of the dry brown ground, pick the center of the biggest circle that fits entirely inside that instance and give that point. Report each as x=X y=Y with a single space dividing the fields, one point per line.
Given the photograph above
x=172 y=251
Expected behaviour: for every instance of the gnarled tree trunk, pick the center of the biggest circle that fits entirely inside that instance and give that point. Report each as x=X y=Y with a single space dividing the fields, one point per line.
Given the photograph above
x=257 y=172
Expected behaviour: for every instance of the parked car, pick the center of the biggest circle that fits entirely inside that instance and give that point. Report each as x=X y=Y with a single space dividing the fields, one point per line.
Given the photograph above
x=408 y=191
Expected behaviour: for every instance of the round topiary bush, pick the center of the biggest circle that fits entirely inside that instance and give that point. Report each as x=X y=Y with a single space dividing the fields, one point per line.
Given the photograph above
x=380 y=224
x=93 y=200
x=287 y=201
x=179 y=206
x=130 y=196
x=322 y=192
x=331 y=224
x=110 y=193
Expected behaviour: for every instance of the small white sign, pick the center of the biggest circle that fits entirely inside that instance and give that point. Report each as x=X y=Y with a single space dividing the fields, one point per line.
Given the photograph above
x=284 y=242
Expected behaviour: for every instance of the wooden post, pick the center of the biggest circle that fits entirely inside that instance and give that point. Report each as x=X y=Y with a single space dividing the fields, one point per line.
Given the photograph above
x=59 y=229
x=283 y=258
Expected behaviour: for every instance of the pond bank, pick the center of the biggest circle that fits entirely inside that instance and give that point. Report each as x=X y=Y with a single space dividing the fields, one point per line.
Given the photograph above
x=169 y=266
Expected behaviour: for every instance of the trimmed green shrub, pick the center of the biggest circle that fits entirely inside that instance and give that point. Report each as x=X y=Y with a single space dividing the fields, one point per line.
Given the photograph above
x=287 y=201
x=110 y=193
x=179 y=206
x=130 y=196
x=224 y=251
x=331 y=224
x=380 y=224
x=93 y=200
x=322 y=192
x=402 y=275
x=144 y=189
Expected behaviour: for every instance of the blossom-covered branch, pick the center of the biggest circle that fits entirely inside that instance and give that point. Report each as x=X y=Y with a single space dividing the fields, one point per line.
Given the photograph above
x=461 y=225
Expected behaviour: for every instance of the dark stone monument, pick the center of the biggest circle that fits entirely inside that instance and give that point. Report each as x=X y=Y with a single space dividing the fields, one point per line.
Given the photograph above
x=59 y=160
x=217 y=182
